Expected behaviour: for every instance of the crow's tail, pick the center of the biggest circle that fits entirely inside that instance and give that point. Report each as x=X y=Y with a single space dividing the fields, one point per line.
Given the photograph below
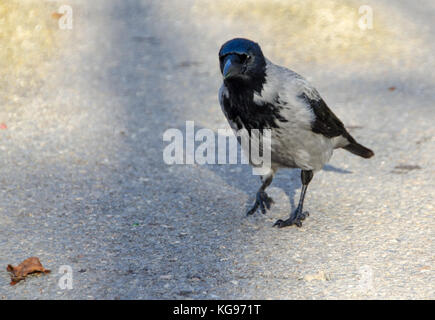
x=359 y=150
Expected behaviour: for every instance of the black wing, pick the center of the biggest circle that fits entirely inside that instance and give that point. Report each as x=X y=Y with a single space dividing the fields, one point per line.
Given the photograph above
x=326 y=122
x=243 y=111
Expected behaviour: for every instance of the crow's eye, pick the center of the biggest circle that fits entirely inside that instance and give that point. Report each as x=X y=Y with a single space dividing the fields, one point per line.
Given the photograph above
x=244 y=58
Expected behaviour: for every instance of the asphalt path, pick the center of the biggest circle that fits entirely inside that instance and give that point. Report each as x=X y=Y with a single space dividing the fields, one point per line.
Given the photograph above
x=83 y=182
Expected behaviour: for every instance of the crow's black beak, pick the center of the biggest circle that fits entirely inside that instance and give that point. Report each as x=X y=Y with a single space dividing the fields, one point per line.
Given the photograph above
x=231 y=66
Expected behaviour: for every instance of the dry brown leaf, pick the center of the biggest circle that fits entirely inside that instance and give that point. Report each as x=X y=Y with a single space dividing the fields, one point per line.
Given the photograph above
x=321 y=275
x=28 y=266
x=56 y=15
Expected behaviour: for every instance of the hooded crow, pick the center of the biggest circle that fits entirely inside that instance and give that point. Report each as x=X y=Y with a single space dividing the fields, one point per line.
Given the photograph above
x=257 y=94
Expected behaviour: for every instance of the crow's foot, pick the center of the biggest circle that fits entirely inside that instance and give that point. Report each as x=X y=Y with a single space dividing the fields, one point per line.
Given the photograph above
x=296 y=218
x=263 y=201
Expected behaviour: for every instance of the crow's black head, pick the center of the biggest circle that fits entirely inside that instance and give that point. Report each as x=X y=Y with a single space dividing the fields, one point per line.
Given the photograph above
x=242 y=62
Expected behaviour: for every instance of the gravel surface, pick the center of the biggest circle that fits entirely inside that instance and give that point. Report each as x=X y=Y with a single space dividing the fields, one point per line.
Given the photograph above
x=83 y=182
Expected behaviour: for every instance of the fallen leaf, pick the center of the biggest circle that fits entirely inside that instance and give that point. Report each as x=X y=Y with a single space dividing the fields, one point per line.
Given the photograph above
x=56 y=15
x=392 y=88
x=407 y=167
x=321 y=275
x=28 y=266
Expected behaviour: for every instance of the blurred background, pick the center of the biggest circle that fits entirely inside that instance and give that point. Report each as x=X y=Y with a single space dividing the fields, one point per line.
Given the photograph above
x=85 y=99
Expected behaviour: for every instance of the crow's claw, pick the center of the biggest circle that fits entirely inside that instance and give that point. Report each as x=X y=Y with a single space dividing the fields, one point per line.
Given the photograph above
x=295 y=219
x=263 y=201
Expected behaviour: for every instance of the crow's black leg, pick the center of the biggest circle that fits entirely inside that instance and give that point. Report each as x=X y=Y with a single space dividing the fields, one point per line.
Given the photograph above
x=262 y=199
x=297 y=216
